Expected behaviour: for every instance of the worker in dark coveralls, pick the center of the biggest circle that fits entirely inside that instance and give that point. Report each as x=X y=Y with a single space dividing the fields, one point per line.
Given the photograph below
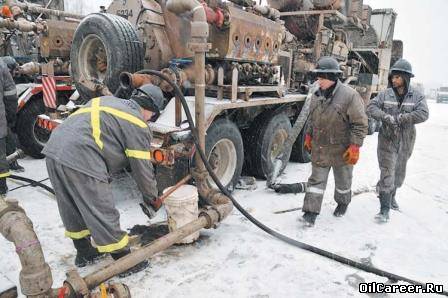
x=399 y=108
x=8 y=110
x=11 y=138
x=337 y=128
x=104 y=137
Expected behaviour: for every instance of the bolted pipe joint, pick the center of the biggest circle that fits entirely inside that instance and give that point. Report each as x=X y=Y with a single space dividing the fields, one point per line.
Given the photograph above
x=221 y=203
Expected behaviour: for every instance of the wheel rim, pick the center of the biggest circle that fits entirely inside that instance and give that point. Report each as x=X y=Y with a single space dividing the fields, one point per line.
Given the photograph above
x=92 y=59
x=277 y=143
x=223 y=160
x=41 y=135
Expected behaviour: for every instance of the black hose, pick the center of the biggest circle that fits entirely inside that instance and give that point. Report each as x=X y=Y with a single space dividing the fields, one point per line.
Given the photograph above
x=260 y=225
x=32 y=182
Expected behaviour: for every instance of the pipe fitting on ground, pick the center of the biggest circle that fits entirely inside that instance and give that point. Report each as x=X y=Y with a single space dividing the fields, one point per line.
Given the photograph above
x=15 y=226
x=220 y=208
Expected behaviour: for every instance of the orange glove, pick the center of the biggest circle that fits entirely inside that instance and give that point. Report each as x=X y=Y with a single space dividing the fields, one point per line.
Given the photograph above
x=6 y=12
x=308 y=139
x=351 y=155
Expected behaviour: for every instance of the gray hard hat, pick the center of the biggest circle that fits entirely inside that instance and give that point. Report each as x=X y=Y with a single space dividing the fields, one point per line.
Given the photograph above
x=402 y=65
x=327 y=65
x=149 y=97
x=10 y=62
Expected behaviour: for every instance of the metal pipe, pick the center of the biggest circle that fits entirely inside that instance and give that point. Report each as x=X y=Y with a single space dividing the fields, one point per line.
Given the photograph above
x=198 y=44
x=15 y=226
x=182 y=6
x=15 y=156
x=207 y=219
x=40 y=10
x=46 y=6
x=22 y=25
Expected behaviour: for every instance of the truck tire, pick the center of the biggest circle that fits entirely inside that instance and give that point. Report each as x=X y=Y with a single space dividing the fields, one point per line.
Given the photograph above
x=32 y=138
x=267 y=135
x=225 y=152
x=100 y=39
x=299 y=153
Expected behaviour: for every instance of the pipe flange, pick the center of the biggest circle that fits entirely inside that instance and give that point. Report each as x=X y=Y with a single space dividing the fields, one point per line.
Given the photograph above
x=119 y=290
x=208 y=218
x=199 y=47
x=77 y=283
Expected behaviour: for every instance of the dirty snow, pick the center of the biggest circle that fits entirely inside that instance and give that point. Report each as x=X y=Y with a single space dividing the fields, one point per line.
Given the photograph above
x=239 y=260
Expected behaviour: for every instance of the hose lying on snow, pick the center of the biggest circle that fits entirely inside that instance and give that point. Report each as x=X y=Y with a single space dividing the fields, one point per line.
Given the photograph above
x=32 y=182
x=260 y=225
x=263 y=227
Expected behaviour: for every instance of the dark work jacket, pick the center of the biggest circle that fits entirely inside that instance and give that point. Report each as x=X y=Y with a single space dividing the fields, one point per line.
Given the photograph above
x=104 y=137
x=335 y=123
x=8 y=100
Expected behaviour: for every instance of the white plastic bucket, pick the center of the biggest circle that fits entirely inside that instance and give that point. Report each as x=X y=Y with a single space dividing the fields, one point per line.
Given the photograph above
x=182 y=208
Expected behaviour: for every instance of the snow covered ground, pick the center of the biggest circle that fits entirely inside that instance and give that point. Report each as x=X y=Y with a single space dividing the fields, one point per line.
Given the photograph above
x=239 y=260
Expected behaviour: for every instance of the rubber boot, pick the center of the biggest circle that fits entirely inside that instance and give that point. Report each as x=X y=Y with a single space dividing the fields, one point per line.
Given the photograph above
x=383 y=215
x=340 y=210
x=289 y=188
x=393 y=202
x=85 y=252
x=137 y=268
x=14 y=166
x=3 y=187
x=309 y=218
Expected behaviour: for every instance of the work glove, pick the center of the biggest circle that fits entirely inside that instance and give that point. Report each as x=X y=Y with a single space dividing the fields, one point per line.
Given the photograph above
x=402 y=119
x=150 y=206
x=389 y=119
x=308 y=139
x=351 y=155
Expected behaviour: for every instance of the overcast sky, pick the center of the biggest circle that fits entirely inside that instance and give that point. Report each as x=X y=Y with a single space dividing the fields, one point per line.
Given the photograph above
x=421 y=25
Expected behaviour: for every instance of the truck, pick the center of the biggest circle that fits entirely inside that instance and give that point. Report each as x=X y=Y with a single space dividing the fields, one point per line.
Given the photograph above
x=38 y=35
x=244 y=69
x=442 y=94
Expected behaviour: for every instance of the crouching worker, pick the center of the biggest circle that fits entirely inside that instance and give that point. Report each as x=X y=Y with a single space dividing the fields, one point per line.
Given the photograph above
x=337 y=128
x=104 y=137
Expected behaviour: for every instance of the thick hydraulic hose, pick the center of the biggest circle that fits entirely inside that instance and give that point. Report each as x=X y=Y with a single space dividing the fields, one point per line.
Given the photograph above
x=260 y=225
x=286 y=150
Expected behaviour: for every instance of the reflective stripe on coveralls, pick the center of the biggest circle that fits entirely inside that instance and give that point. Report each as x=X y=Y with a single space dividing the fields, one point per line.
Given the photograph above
x=77 y=235
x=95 y=111
x=114 y=246
x=4 y=175
x=96 y=128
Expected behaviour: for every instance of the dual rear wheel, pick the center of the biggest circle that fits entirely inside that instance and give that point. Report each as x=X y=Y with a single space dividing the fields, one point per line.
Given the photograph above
x=228 y=153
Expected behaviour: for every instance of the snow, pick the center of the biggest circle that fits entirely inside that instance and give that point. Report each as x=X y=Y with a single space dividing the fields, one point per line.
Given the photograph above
x=239 y=260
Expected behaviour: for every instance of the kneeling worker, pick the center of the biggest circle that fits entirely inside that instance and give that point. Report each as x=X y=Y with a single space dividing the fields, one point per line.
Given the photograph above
x=104 y=137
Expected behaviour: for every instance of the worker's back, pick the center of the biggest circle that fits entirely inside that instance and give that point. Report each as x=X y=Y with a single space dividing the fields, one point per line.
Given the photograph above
x=96 y=139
